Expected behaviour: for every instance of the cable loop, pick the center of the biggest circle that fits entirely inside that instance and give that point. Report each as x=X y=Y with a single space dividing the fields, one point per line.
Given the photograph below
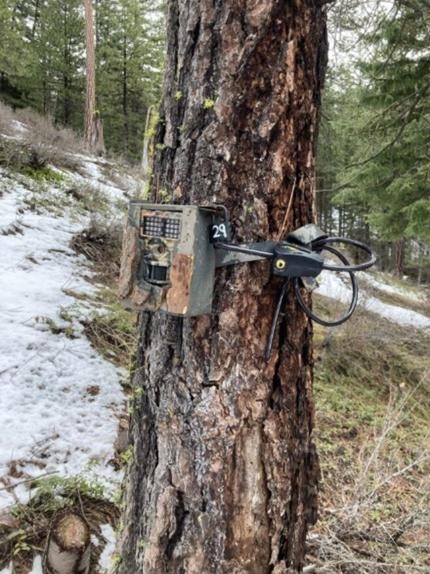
x=354 y=299
x=321 y=243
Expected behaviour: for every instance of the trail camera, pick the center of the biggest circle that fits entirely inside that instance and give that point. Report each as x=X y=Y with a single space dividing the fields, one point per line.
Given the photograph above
x=168 y=261
x=170 y=253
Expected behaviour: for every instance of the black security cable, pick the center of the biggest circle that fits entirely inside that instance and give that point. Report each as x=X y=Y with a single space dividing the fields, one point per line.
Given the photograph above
x=317 y=246
x=297 y=288
x=320 y=244
x=275 y=318
x=354 y=299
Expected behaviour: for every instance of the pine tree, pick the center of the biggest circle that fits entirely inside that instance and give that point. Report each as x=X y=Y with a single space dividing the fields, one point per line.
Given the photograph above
x=13 y=52
x=94 y=137
x=130 y=53
x=389 y=169
x=224 y=473
x=42 y=63
x=57 y=80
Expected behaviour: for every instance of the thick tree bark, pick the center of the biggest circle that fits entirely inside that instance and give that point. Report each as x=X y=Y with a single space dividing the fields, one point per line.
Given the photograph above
x=94 y=137
x=224 y=475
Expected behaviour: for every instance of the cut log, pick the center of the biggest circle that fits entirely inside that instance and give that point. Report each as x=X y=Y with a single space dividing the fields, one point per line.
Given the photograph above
x=68 y=550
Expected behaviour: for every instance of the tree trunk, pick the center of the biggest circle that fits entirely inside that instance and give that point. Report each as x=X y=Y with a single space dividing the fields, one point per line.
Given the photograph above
x=399 y=252
x=36 y=16
x=148 y=142
x=93 y=126
x=224 y=474
x=66 y=68
x=125 y=88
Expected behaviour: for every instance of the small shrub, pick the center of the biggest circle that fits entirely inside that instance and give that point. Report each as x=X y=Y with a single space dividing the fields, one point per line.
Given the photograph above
x=101 y=244
x=15 y=155
x=43 y=175
x=91 y=198
x=43 y=143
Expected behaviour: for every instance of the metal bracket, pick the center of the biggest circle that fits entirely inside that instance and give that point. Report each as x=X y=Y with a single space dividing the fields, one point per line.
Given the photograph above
x=231 y=254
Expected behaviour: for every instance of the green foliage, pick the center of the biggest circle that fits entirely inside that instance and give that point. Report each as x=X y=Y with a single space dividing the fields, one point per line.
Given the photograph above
x=60 y=492
x=130 y=53
x=43 y=174
x=14 y=54
x=42 y=63
x=56 y=329
x=127 y=456
x=55 y=85
x=54 y=493
x=377 y=156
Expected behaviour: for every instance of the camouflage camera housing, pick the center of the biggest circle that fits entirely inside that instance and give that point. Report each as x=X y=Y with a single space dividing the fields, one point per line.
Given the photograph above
x=167 y=261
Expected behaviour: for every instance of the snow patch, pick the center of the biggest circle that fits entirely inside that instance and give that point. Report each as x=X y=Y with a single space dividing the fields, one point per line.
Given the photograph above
x=331 y=285
x=19 y=126
x=394 y=290
x=37 y=566
x=59 y=400
x=106 y=557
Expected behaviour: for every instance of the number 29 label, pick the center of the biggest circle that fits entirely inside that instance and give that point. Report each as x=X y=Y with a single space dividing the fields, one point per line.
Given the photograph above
x=218 y=232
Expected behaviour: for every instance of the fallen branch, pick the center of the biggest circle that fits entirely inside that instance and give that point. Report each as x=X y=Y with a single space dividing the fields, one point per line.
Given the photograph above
x=11 y=486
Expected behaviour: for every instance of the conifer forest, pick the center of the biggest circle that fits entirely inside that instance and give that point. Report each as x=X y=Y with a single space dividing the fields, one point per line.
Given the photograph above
x=215 y=286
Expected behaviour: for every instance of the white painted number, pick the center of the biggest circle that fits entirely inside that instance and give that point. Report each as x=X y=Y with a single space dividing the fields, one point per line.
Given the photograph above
x=219 y=231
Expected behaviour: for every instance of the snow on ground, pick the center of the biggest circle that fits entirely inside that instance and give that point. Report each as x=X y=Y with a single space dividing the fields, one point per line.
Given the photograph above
x=37 y=566
x=92 y=170
x=382 y=285
x=59 y=399
x=331 y=285
x=106 y=557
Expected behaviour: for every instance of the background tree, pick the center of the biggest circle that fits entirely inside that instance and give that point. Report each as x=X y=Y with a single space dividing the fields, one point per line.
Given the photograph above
x=224 y=473
x=93 y=124
x=390 y=174
x=130 y=56
x=57 y=80
x=13 y=53
x=373 y=165
x=42 y=63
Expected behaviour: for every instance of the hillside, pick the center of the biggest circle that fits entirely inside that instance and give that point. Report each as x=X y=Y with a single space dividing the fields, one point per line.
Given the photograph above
x=372 y=389
x=66 y=349
x=65 y=341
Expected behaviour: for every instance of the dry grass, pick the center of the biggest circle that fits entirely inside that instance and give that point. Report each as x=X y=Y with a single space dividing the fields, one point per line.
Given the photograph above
x=373 y=432
x=112 y=331
x=7 y=117
x=101 y=244
x=399 y=300
x=35 y=141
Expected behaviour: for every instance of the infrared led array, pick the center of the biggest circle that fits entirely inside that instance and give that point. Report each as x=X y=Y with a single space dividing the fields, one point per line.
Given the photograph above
x=155 y=226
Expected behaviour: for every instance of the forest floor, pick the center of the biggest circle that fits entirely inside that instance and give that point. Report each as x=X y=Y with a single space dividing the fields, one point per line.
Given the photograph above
x=64 y=369
x=372 y=390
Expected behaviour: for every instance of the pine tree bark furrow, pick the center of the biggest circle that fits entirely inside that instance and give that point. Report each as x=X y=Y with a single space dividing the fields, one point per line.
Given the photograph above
x=225 y=473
